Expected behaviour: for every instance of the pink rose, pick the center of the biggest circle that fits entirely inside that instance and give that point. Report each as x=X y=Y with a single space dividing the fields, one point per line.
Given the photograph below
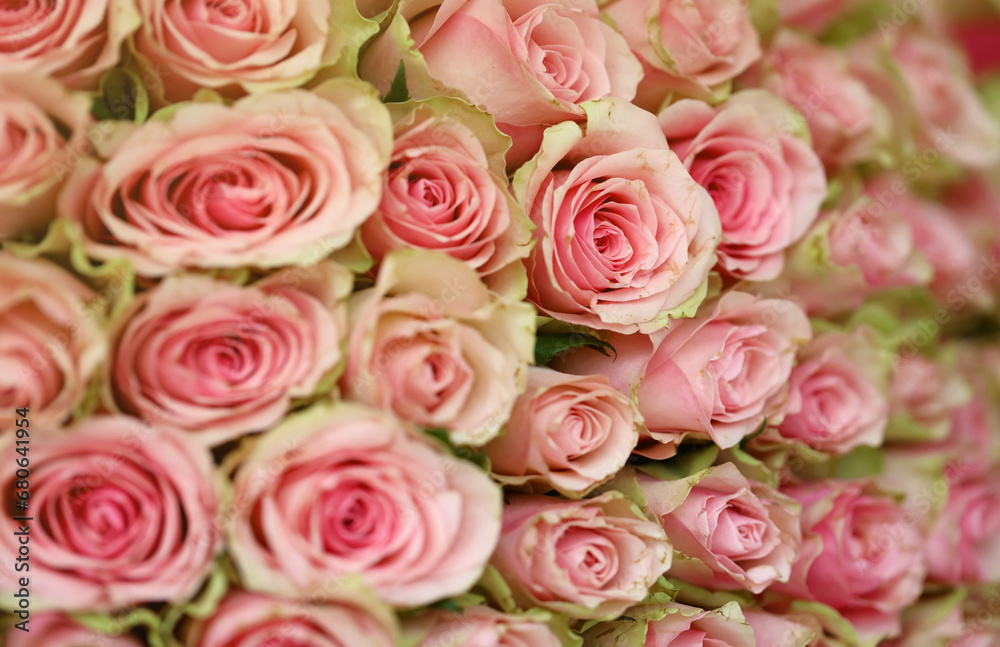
x=781 y=631
x=678 y=625
x=74 y=41
x=927 y=394
x=861 y=554
x=278 y=179
x=443 y=191
x=53 y=629
x=591 y=558
x=44 y=132
x=949 y=250
x=844 y=119
x=726 y=370
x=236 y=49
x=624 y=237
x=694 y=48
x=255 y=620
x=811 y=16
x=566 y=433
x=836 y=399
x=350 y=490
x=926 y=84
x=51 y=341
x=964 y=545
x=219 y=360
x=122 y=515
x=765 y=179
x=482 y=627
x=732 y=533
x=432 y=344
x=535 y=61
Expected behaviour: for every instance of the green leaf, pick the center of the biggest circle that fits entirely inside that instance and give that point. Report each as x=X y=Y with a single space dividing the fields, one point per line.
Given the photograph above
x=548 y=346
x=398 y=92
x=122 y=97
x=747 y=439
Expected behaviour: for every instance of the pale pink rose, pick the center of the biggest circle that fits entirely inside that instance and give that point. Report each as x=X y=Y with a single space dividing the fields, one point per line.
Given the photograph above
x=934 y=621
x=836 y=398
x=726 y=370
x=975 y=201
x=861 y=554
x=926 y=393
x=276 y=179
x=74 y=41
x=123 y=515
x=680 y=626
x=52 y=341
x=565 y=432
x=948 y=249
x=765 y=179
x=43 y=132
x=481 y=627
x=781 y=631
x=732 y=533
x=624 y=237
x=846 y=122
x=445 y=192
x=256 y=620
x=964 y=545
x=535 y=61
x=432 y=344
x=692 y=47
x=240 y=48
x=926 y=84
x=811 y=16
x=52 y=629
x=348 y=490
x=220 y=360
x=591 y=558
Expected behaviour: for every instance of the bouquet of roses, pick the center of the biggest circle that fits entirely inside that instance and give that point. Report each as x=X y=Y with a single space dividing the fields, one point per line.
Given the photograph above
x=522 y=323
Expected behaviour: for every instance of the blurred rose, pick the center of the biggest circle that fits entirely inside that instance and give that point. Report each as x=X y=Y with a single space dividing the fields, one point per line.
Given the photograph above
x=680 y=626
x=780 y=631
x=278 y=179
x=861 y=555
x=591 y=558
x=350 y=490
x=732 y=533
x=52 y=341
x=565 y=432
x=938 y=235
x=695 y=48
x=443 y=192
x=430 y=343
x=844 y=119
x=219 y=360
x=726 y=370
x=964 y=546
x=765 y=180
x=811 y=16
x=624 y=237
x=481 y=627
x=255 y=620
x=43 y=133
x=123 y=515
x=51 y=629
x=925 y=393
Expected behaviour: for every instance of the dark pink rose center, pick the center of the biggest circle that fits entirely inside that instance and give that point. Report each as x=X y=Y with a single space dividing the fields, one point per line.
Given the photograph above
x=355 y=516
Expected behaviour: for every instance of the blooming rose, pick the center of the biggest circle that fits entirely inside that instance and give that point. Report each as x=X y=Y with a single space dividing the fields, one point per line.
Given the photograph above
x=350 y=490
x=836 y=399
x=482 y=627
x=237 y=48
x=765 y=179
x=964 y=545
x=925 y=394
x=679 y=625
x=278 y=179
x=591 y=558
x=220 y=360
x=44 y=131
x=443 y=191
x=725 y=370
x=846 y=122
x=122 y=513
x=74 y=41
x=255 y=620
x=695 y=48
x=535 y=61
x=565 y=432
x=430 y=343
x=624 y=237
x=53 y=629
x=730 y=533
x=926 y=84
x=51 y=340
x=861 y=555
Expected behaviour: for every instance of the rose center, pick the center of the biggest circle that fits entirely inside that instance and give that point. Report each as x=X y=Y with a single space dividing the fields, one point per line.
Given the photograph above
x=354 y=516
